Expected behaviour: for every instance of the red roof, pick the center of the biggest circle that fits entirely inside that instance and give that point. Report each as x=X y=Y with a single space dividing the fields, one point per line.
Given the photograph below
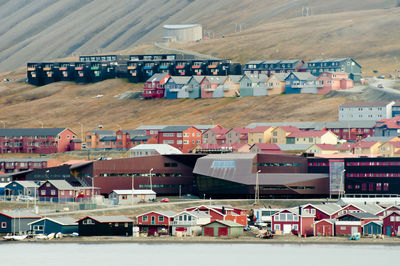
x=242 y=130
x=395 y=144
x=244 y=136
x=389 y=123
x=290 y=128
x=307 y=134
x=259 y=129
x=267 y=146
x=360 y=144
x=233 y=146
x=219 y=130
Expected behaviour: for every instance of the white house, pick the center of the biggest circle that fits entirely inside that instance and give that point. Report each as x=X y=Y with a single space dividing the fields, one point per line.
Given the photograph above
x=190 y=222
x=365 y=111
x=153 y=149
x=127 y=196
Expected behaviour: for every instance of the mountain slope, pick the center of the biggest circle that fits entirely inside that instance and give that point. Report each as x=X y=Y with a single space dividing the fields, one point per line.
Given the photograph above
x=42 y=30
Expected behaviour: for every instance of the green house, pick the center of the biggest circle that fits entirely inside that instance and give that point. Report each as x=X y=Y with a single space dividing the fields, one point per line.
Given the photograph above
x=222 y=228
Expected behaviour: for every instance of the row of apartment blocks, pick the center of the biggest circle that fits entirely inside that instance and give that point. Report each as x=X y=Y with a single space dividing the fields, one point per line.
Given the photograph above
x=163 y=85
x=138 y=68
x=369 y=111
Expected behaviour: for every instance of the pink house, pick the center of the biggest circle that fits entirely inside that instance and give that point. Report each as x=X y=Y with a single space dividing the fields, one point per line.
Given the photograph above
x=209 y=84
x=334 y=81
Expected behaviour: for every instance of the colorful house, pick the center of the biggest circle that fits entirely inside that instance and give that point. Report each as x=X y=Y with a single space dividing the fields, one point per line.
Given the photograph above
x=48 y=225
x=36 y=140
x=210 y=136
x=334 y=81
x=155 y=222
x=279 y=134
x=322 y=211
x=237 y=135
x=27 y=188
x=56 y=191
x=260 y=134
x=391 y=224
x=184 y=138
x=105 y=226
x=223 y=213
x=199 y=67
x=312 y=137
x=254 y=67
x=347 y=65
x=189 y=222
x=16 y=221
x=276 y=83
x=154 y=88
x=212 y=86
x=265 y=148
x=323 y=149
x=293 y=221
x=373 y=228
x=129 y=196
x=352 y=223
x=253 y=85
x=175 y=86
x=222 y=228
x=325 y=227
x=301 y=82
x=232 y=86
x=371 y=111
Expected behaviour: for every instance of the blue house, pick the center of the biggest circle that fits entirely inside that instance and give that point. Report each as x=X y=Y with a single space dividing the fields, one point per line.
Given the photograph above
x=301 y=82
x=254 y=67
x=347 y=65
x=174 y=86
x=193 y=86
x=27 y=188
x=64 y=225
x=373 y=228
x=16 y=221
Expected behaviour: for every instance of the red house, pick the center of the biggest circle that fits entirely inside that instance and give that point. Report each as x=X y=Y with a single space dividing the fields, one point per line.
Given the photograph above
x=155 y=222
x=322 y=211
x=325 y=227
x=223 y=213
x=389 y=210
x=289 y=221
x=351 y=223
x=56 y=191
x=334 y=81
x=358 y=208
x=266 y=148
x=184 y=138
x=391 y=224
x=36 y=140
x=154 y=86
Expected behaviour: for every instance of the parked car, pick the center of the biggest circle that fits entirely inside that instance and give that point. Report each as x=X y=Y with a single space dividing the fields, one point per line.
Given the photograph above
x=380 y=86
x=165 y=200
x=381 y=76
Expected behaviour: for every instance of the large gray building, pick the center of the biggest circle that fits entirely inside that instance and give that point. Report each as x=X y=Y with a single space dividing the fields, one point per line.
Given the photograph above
x=182 y=33
x=365 y=111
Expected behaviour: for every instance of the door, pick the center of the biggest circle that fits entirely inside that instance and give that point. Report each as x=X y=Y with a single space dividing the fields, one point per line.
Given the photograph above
x=388 y=230
x=354 y=230
x=208 y=231
x=287 y=228
x=223 y=231
x=153 y=220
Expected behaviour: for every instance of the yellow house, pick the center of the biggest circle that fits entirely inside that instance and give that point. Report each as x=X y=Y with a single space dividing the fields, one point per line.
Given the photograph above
x=367 y=147
x=390 y=149
x=323 y=149
x=276 y=83
x=312 y=137
x=279 y=134
x=260 y=134
x=232 y=86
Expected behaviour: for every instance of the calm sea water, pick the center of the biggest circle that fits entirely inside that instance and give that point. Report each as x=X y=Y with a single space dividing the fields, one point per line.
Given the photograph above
x=59 y=254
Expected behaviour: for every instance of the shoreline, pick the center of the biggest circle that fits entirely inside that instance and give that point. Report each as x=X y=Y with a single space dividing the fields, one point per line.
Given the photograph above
x=208 y=240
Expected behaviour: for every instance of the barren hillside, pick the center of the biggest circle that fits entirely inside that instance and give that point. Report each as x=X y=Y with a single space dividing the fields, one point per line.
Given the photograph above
x=67 y=104
x=43 y=30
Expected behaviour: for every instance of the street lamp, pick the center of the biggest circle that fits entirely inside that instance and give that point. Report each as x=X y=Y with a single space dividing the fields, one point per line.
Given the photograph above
x=257 y=190
x=151 y=182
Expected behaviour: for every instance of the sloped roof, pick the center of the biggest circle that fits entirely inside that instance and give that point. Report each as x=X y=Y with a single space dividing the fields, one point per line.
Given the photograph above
x=267 y=146
x=308 y=134
x=197 y=214
x=61 y=184
x=280 y=76
x=217 y=79
x=108 y=138
x=164 y=213
x=219 y=130
x=20 y=214
x=140 y=138
x=59 y=220
x=299 y=125
x=360 y=215
x=31 y=131
x=289 y=128
x=259 y=129
x=303 y=75
x=328 y=208
x=391 y=123
x=157 y=77
x=174 y=128
x=160 y=148
x=27 y=184
x=226 y=222
x=294 y=147
x=365 y=104
x=109 y=219
x=327 y=147
x=180 y=79
x=135 y=192
x=242 y=130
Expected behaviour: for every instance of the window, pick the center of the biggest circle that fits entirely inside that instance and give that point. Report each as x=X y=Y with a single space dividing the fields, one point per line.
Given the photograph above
x=363 y=186
x=3 y=224
x=116 y=224
x=392 y=219
x=43 y=192
x=277 y=227
x=124 y=197
x=53 y=192
x=185 y=142
x=385 y=186
x=179 y=141
x=343 y=228
x=48 y=185
x=161 y=218
x=295 y=227
x=312 y=211
x=145 y=218
x=88 y=221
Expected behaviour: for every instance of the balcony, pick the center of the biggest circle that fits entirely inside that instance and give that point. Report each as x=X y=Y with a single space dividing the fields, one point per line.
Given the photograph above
x=209 y=89
x=184 y=223
x=307 y=85
x=174 y=89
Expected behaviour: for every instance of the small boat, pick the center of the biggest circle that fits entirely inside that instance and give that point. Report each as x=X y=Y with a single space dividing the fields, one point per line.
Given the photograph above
x=41 y=236
x=355 y=236
x=51 y=236
x=59 y=235
x=8 y=237
x=19 y=237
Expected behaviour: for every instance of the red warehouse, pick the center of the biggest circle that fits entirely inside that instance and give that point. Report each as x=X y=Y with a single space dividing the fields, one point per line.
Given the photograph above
x=352 y=223
x=325 y=227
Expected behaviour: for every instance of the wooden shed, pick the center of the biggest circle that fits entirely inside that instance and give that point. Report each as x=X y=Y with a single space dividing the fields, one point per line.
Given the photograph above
x=47 y=225
x=105 y=226
x=325 y=227
x=222 y=228
x=373 y=228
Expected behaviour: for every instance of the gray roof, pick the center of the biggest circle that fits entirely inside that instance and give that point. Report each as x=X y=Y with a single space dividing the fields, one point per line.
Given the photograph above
x=254 y=62
x=156 y=77
x=290 y=61
x=60 y=220
x=328 y=208
x=174 y=128
x=381 y=139
x=165 y=213
x=256 y=78
x=198 y=78
x=365 y=104
x=31 y=131
x=301 y=125
x=216 y=79
x=61 y=184
x=361 y=215
x=294 y=147
x=111 y=219
x=227 y=223
x=180 y=80
x=369 y=207
x=329 y=60
x=135 y=132
x=345 y=124
x=108 y=138
x=304 y=75
x=147 y=127
x=27 y=184
x=280 y=76
x=195 y=213
x=160 y=148
x=20 y=214
x=271 y=62
x=24 y=160
x=103 y=132
x=235 y=78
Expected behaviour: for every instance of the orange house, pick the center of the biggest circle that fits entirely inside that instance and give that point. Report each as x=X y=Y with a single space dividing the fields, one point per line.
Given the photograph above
x=184 y=138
